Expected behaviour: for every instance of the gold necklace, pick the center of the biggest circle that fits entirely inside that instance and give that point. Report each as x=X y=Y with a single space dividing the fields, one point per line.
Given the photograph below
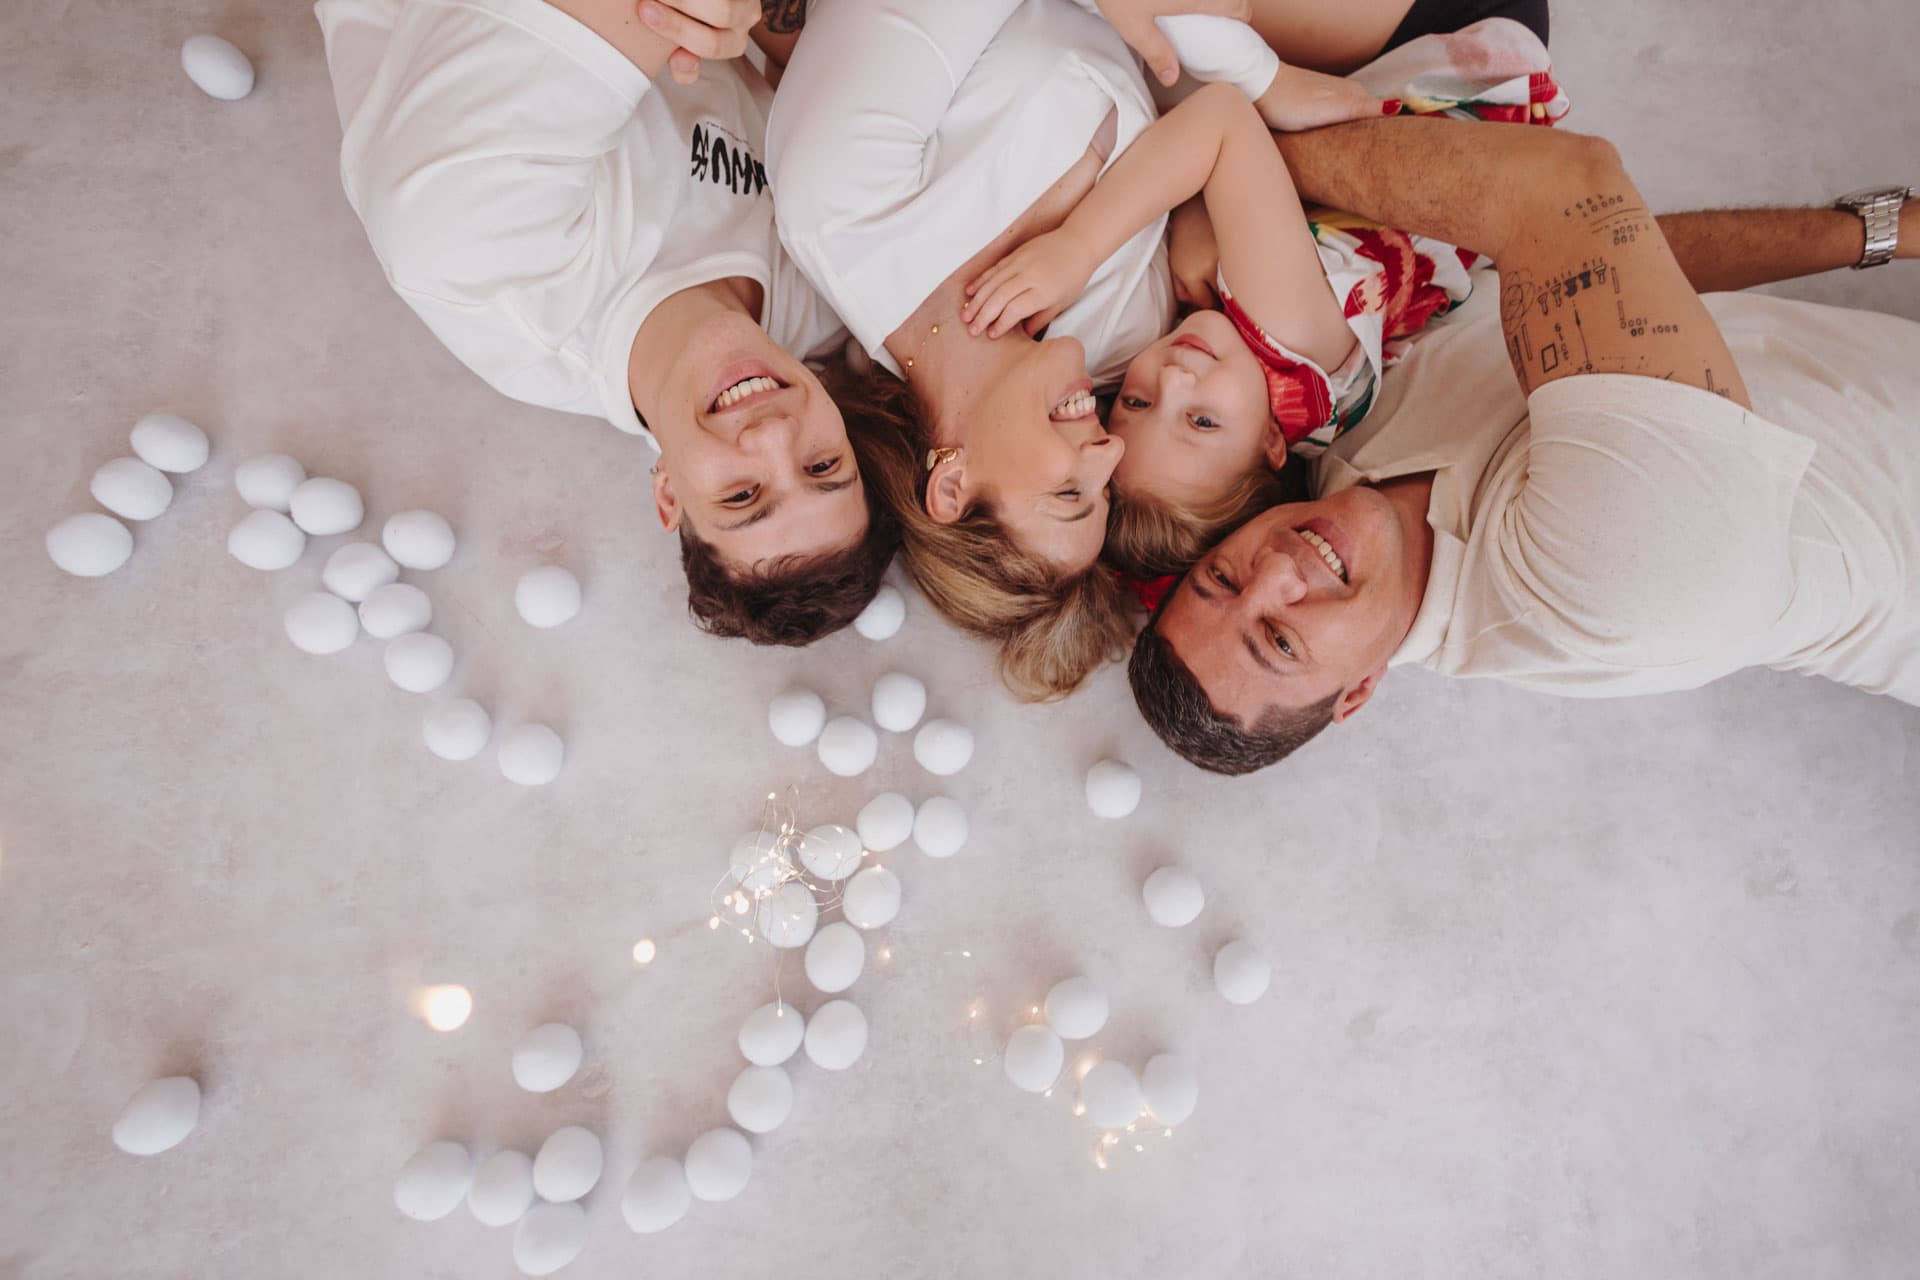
x=922 y=349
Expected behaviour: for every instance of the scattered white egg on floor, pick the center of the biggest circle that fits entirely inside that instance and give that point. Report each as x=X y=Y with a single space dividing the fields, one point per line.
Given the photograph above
x=549 y=1237
x=761 y=1099
x=418 y=539
x=943 y=747
x=835 y=957
x=218 y=67
x=796 y=716
x=1113 y=789
x=568 y=1164
x=457 y=730
x=871 y=899
x=502 y=1189
x=547 y=596
x=656 y=1196
x=169 y=442
x=831 y=851
x=267 y=482
x=547 y=1058
x=1076 y=1007
x=131 y=489
x=530 y=754
x=848 y=746
x=321 y=623
x=1034 y=1057
x=940 y=828
x=771 y=1034
x=1241 y=973
x=899 y=700
x=1111 y=1094
x=433 y=1182
x=719 y=1164
x=395 y=610
x=885 y=822
x=1170 y=1088
x=418 y=662
x=323 y=506
x=787 y=916
x=89 y=545
x=357 y=570
x=158 y=1117
x=883 y=615
x=1173 y=896
x=836 y=1035
x=266 y=540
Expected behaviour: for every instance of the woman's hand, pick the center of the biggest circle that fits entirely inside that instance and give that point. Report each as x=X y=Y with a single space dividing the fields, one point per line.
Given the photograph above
x=1034 y=283
x=1194 y=255
x=700 y=29
x=1133 y=19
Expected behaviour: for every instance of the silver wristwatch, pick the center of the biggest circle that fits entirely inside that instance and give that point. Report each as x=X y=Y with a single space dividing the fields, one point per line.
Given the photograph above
x=1879 y=209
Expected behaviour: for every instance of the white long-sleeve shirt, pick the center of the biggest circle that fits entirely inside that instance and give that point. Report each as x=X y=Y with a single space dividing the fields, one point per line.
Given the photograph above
x=907 y=134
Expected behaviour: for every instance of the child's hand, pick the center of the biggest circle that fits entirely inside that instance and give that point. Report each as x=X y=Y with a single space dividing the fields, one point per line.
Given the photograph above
x=1034 y=283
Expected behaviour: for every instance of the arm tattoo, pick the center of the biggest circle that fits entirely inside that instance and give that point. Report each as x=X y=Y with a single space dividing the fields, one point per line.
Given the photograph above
x=783 y=17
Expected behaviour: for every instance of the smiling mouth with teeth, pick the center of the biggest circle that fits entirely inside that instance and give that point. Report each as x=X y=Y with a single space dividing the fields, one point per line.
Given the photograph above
x=742 y=389
x=1326 y=551
x=1080 y=404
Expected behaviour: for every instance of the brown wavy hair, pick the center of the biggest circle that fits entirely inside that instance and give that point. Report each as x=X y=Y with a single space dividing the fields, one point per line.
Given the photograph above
x=1149 y=537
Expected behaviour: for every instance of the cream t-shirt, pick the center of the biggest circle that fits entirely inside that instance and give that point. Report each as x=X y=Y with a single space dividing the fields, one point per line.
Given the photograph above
x=1615 y=535
x=533 y=196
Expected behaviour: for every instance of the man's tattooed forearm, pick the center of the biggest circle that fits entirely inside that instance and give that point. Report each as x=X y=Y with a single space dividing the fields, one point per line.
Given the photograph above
x=783 y=17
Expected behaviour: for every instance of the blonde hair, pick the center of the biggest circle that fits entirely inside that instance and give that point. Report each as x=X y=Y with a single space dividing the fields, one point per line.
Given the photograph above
x=1052 y=632
x=1149 y=537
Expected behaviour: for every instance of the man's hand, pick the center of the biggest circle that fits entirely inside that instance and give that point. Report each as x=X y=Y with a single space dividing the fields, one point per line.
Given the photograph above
x=1134 y=20
x=1909 y=246
x=700 y=29
x=1034 y=283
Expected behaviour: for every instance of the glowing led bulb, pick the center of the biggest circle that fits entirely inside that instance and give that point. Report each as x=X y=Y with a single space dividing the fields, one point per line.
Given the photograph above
x=644 y=951
x=446 y=1008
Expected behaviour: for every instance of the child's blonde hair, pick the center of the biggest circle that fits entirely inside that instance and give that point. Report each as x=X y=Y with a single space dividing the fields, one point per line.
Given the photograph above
x=1149 y=537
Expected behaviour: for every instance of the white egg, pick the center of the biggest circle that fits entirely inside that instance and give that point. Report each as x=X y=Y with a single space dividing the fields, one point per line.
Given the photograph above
x=418 y=662
x=759 y=861
x=323 y=506
x=432 y=1184
x=656 y=1196
x=547 y=1058
x=1111 y=1094
x=268 y=481
x=835 y=957
x=940 y=828
x=1240 y=973
x=567 y=1164
x=170 y=442
x=719 y=1164
x=1173 y=896
x=885 y=821
x=89 y=545
x=771 y=1034
x=871 y=899
x=1076 y=1007
x=218 y=67
x=796 y=716
x=786 y=917
x=547 y=596
x=357 y=570
x=848 y=746
x=322 y=623
x=549 y=1237
x=836 y=1035
x=530 y=754
x=131 y=489
x=899 y=701
x=883 y=614
x=1034 y=1057
x=395 y=610
x=943 y=747
x=418 y=539
x=1113 y=789
x=457 y=730
x=502 y=1189
x=266 y=540
x=831 y=851
x=158 y=1117
x=1170 y=1088
x=761 y=1099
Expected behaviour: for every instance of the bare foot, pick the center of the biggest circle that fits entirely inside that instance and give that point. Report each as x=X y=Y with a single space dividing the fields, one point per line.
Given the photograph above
x=1300 y=99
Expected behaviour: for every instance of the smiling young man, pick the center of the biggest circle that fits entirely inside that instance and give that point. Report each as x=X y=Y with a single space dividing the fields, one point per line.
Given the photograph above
x=1595 y=483
x=590 y=236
